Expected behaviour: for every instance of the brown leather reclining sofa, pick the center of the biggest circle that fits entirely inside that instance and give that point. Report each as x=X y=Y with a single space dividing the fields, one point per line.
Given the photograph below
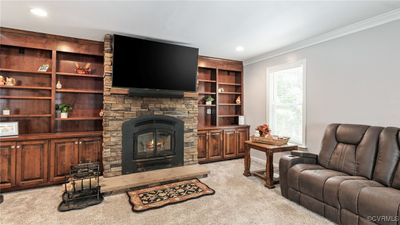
x=355 y=179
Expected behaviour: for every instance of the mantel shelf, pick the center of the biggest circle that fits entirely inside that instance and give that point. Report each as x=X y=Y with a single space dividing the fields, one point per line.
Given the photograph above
x=23 y=71
x=80 y=75
x=25 y=87
x=79 y=91
x=25 y=116
x=125 y=91
x=25 y=97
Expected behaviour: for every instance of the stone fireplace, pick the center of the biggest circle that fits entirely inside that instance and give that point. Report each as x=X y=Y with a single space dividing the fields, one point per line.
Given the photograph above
x=120 y=109
x=151 y=142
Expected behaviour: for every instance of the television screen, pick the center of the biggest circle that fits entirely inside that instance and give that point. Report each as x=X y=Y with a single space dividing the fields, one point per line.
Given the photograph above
x=140 y=63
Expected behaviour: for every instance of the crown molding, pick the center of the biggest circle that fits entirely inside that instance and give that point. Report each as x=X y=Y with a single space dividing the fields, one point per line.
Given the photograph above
x=337 y=33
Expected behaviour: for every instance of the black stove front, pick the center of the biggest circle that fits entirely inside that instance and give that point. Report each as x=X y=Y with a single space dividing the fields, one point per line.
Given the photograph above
x=152 y=142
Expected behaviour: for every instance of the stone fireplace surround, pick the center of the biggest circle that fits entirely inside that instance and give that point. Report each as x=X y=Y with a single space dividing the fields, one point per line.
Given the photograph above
x=119 y=108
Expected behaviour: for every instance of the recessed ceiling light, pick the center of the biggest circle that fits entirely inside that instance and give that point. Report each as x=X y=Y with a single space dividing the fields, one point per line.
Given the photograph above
x=39 y=12
x=239 y=48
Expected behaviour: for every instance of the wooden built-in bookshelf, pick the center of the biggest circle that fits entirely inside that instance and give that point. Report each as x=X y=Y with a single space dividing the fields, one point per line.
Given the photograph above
x=47 y=145
x=220 y=136
x=226 y=75
x=33 y=98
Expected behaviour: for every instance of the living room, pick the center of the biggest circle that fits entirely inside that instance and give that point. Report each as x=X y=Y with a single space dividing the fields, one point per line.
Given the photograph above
x=191 y=112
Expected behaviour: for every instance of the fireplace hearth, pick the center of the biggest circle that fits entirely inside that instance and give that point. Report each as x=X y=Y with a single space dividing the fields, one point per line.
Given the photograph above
x=152 y=142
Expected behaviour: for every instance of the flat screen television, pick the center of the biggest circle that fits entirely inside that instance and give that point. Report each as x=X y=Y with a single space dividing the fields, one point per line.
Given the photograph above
x=144 y=64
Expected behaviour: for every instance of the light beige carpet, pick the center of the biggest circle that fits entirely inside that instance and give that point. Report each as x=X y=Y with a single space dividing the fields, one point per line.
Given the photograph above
x=238 y=200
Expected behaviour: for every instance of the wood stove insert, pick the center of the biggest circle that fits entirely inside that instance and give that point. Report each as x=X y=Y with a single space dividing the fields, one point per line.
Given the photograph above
x=152 y=142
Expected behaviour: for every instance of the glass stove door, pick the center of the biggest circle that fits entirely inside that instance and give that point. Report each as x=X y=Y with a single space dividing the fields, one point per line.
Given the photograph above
x=145 y=145
x=164 y=143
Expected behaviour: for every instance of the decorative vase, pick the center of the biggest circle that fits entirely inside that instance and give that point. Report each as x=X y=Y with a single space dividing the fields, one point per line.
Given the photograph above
x=6 y=112
x=58 y=85
x=209 y=103
x=64 y=115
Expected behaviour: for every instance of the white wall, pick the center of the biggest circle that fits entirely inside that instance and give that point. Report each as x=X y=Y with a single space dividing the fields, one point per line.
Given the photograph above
x=353 y=79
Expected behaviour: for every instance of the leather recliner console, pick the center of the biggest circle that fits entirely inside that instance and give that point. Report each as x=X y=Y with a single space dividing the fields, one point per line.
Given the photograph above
x=354 y=180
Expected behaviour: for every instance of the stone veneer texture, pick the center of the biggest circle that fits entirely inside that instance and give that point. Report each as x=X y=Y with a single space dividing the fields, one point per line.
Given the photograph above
x=120 y=108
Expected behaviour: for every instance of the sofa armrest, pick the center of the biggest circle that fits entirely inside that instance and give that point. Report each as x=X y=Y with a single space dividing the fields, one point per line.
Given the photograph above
x=287 y=161
x=304 y=154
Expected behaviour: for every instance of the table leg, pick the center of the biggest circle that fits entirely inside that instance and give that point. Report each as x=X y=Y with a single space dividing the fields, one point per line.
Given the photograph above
x=247 y=161
x=269 y=172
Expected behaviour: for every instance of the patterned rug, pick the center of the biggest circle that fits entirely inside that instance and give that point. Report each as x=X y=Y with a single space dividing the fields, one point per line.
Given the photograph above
x=159 y=196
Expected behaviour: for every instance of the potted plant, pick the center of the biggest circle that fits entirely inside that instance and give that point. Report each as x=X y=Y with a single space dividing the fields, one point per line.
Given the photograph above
x=63 y=109
x=209 y=100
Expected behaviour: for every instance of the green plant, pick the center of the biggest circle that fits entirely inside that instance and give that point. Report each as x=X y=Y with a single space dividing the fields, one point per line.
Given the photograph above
x=209 y=99
x=63 y=107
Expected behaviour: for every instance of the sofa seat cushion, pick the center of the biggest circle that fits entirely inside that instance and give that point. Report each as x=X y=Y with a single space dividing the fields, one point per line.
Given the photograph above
x=312 y=182
x=295 y=171
x=331 y=189
x=380 y=203
x=349 y=191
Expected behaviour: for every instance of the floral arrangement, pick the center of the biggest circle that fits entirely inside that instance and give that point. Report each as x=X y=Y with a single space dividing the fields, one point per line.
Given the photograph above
x=264 y=130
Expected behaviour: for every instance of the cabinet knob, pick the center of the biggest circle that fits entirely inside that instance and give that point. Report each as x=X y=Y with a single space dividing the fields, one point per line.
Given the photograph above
x=80 y=142
x=18 y=146
x=12 y=146
x=76 y=142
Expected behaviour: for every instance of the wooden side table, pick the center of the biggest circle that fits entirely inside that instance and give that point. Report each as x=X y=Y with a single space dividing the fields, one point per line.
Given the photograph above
x=268 y=173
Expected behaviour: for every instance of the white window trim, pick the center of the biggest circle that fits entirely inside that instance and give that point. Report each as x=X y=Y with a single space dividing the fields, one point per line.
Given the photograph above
x=269 y=96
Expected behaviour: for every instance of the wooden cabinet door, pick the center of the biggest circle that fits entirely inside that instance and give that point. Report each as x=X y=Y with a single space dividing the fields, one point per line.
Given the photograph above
x=242 y=136
x=215 y=145
x=31 y=163
x=90 y=149
x=63 y=154
x=202 y=145
x=7 y=164
x=230 y=143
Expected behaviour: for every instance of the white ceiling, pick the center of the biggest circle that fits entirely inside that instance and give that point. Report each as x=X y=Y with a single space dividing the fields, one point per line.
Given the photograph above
x=216 y=28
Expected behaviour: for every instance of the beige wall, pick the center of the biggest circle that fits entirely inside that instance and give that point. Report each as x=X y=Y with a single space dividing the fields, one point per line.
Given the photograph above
x=353 y=79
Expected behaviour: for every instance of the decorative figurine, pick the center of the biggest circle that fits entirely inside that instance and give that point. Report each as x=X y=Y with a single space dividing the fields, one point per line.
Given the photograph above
x=2 y=80
x=220 y=90
x=10 y=81
x=83 y=70
x=44 y=68
x=101 y=113
x=238 y=100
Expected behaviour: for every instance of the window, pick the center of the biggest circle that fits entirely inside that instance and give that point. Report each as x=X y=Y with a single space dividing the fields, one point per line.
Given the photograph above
x=286 y=105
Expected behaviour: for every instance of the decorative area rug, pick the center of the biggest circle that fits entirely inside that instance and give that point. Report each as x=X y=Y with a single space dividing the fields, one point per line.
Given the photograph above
x=159 y=196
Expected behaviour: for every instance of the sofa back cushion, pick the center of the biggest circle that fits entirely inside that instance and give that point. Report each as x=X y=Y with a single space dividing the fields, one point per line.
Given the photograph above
x=350 y=149
x=387 y=169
